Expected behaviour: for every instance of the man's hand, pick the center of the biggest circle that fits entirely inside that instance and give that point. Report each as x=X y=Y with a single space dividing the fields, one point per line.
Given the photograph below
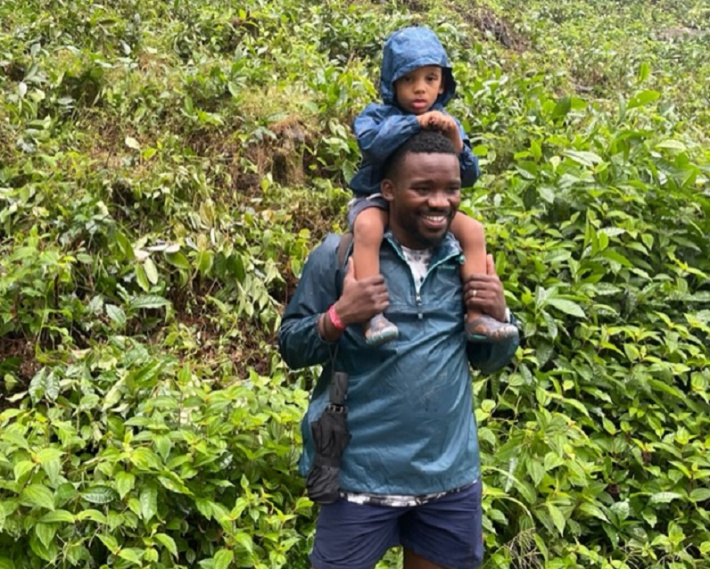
x=436 y=120
x=484 y=293
x=361 y=299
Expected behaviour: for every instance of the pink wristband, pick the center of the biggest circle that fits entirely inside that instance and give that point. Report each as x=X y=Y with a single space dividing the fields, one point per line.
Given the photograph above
x=335 y=319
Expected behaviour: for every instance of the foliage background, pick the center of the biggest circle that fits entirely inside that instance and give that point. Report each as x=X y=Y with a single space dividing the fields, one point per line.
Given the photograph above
x=165 y=169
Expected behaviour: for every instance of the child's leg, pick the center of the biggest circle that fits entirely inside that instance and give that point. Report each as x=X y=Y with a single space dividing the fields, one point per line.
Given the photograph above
x=368 y=232
x=471 y=236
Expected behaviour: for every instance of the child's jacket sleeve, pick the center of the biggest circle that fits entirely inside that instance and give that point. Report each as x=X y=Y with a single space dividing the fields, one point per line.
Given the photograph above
x=381 y=129
x=470 y=170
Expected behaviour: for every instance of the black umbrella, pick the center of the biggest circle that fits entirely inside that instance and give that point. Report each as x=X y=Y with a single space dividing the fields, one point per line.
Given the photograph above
x=331 y=436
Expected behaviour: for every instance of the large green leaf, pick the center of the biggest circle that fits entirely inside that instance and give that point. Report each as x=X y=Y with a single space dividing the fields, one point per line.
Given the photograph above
x=149 y=501
x=168 y=542
x=664 y=497
x=223 y=559
x=556 y=516
x=149 y=301
x=57 y=516
x=125 y=482
x=99 y=494
x=39 y=495
x=567 y=306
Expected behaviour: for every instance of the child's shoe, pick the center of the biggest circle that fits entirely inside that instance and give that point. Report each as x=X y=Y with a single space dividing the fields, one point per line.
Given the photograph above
x=485 y=329
x=379 y=331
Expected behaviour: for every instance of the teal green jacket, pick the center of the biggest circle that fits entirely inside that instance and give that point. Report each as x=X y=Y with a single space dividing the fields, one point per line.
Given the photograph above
x=410 y=401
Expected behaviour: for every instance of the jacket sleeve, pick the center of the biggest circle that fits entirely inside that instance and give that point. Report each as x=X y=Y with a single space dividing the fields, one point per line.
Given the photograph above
x=490 y=358
x=300 y=343
x=470 y=170
x=381 y=129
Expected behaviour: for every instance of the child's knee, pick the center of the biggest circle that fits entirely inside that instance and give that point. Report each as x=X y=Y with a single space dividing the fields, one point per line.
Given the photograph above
x=470 y=231
x=370 y=225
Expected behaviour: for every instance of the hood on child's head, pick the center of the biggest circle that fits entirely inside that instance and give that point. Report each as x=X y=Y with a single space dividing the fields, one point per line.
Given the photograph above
x=406 y=50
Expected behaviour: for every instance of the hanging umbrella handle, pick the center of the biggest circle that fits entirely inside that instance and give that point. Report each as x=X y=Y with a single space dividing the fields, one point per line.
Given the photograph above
x=339 y=387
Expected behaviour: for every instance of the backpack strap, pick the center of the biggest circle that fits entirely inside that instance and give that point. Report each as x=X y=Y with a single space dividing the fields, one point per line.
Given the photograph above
x=339 y=380
x=346 y=240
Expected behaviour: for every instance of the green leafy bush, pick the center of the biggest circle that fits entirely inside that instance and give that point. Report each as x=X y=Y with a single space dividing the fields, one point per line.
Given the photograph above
x=124 y=457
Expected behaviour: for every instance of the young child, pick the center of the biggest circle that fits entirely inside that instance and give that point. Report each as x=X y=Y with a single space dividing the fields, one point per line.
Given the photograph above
x=416 y=83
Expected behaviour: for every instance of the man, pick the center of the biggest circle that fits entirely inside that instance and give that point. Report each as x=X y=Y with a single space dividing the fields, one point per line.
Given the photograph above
x=410 y=473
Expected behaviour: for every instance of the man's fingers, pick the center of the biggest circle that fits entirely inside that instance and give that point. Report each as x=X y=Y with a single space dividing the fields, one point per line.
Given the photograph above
x=349 y=276
x=373 y=281
x=478 y=295
x=480 y=280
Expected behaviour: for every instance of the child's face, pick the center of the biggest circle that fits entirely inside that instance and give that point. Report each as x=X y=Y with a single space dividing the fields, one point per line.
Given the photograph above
x=417 y=90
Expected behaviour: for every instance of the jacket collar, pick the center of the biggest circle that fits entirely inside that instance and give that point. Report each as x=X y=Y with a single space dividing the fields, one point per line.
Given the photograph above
x=448 y=248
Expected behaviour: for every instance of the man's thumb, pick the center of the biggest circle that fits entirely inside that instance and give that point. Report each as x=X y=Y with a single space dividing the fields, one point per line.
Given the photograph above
x=350 y=271
x=490 y=265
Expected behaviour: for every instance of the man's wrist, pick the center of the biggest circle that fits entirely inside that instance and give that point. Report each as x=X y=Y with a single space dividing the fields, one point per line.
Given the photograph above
x=335 y=320
x=330 y=326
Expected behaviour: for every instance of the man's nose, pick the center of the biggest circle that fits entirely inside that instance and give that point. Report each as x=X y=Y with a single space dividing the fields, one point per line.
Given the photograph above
x=438 y=200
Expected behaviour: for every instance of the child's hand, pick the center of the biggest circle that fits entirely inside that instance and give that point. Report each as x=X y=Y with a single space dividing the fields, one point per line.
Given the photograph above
x=425 y=120
x=431 y=120
x=436 y=120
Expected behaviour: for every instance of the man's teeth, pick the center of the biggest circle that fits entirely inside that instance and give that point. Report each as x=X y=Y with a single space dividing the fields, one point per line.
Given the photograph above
x=435 y=218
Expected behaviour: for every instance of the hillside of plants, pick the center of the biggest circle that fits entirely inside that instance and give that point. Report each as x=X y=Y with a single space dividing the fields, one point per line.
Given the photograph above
x=165 y=168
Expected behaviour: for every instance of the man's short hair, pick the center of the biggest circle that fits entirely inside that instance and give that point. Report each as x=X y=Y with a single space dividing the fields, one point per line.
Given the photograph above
x=423 y=142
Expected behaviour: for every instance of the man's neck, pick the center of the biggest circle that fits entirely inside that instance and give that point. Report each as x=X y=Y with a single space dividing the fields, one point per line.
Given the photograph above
x=415 y=245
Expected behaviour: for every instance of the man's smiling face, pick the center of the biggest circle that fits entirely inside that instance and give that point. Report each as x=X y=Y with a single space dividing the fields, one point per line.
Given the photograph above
x=424 y=193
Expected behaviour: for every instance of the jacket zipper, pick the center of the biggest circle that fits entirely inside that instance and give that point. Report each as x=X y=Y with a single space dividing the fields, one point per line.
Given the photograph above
x=417 y=295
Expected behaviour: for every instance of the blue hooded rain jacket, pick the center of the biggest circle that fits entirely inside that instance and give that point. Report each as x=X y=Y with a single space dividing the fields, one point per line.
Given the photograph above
x=410 y=401
x=381 y=128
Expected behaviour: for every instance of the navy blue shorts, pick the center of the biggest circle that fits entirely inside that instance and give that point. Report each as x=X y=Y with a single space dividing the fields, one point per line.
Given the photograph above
x=446 y=531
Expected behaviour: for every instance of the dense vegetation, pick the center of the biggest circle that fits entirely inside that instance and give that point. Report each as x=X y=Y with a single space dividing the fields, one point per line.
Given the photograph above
x=165 y=168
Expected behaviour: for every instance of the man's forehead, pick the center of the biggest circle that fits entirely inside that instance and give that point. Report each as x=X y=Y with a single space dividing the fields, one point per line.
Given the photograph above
x=431 y=164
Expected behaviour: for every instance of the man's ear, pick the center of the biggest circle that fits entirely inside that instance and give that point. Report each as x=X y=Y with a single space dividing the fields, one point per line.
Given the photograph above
x=387 y=189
